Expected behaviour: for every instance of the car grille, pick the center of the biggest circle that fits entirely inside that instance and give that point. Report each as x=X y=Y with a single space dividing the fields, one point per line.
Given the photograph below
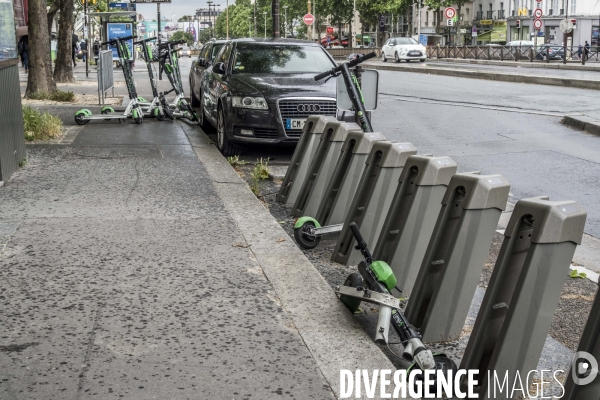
x=265 y=133
x=294 y=109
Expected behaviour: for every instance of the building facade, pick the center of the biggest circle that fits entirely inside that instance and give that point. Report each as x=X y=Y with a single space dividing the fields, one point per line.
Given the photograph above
x=432 y=30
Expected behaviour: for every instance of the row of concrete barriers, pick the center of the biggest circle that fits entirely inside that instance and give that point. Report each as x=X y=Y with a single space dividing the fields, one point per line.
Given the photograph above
x=434 y=227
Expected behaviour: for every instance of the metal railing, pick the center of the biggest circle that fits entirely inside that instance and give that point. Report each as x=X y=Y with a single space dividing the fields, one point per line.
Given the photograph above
x=346 y=51
x=105 y=74
x=515 y=53
x=490 y=14
x=479 y=15
x=501 y=14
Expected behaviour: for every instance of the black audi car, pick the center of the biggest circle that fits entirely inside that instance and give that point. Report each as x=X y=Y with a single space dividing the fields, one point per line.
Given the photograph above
x=262 y=91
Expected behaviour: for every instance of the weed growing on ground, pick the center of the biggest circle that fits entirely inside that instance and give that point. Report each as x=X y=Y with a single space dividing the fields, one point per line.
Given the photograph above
x=577 y=275
x=40 y=126
x=235 y=162
x=23 y=162
x=57 y=95
x=260 y=172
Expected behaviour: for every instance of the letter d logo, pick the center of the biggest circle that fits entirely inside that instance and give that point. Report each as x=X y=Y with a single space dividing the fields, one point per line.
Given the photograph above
x=584 y=368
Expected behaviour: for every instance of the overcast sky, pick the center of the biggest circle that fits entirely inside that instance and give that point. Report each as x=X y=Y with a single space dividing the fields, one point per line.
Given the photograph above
x=177 y=7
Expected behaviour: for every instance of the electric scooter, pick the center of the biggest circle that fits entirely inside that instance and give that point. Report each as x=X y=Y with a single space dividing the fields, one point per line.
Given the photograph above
x=133 y=109
x=169 y=61
x=373 y=284
x=153 y=108
x=307 y=230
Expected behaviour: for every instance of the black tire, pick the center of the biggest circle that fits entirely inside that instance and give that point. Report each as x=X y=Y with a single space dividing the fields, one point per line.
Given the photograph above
x=166 y=110
x=191 y=111
x=383 y=57
x=202 y=121
x=352 y=303
x=80 y=121
x=442 y=363
x=303 y=239
x=138 y=116
x=158 y=113
x=193 y=99
x=223 y=144
x=422 y=60
x=396 y=57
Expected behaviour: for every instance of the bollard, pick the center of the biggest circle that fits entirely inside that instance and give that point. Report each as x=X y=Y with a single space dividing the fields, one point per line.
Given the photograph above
x=345 y=177
x=305 y=149
x=412 y=214
x=461 y=239
x=590 y=343
x=516 y=313
x=372 y=198
x=322 y=166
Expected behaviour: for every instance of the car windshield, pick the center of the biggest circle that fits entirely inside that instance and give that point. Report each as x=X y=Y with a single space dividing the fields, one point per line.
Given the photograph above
x=280 y=59
x=405 y=40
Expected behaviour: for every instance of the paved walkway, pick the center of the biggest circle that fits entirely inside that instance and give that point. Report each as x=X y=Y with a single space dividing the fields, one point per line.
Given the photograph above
x=135 y=263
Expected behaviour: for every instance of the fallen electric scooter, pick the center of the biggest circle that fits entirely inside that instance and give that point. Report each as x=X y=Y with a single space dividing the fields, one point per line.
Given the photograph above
x=373 y=284
x=133 y=109
x=307 y=230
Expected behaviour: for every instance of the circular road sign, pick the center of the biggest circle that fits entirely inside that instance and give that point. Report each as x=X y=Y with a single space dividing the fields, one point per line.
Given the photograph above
x=537 y=24
x=308 y=19
x=538 y=13
x=450 y=12
x=566 y=26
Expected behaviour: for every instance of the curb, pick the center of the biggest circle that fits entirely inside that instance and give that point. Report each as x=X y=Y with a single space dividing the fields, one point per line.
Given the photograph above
x=584 y=123
x=493 y=76
x=573 y=66
x=331 y=334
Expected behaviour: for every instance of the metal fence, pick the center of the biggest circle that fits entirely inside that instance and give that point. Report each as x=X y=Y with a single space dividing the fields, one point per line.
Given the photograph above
x=105 y=74
x=346 y=51
x=515 y=53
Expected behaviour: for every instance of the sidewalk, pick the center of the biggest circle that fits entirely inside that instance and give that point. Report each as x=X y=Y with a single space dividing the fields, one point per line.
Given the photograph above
x=135 y=263
x=554 y=64
x=589 y=123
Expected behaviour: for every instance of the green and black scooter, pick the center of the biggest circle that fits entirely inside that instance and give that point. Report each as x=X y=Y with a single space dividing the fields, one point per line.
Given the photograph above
x=134 y=109
x=169 y=61
x=153 y=108
x=373 y=283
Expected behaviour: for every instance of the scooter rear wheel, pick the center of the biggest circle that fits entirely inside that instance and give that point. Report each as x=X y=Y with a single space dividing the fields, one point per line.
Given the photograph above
x=304 y=239
x=79 y=119
x=352 y=303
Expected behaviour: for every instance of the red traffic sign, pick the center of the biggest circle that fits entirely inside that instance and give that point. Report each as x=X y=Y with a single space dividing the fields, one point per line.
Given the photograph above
x=538 y=13
x=450 y=12
x=330 y=29
x=308 y=19
x=537 y=24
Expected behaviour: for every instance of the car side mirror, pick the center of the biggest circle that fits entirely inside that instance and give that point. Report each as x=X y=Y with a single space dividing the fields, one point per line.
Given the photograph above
x=219 y=68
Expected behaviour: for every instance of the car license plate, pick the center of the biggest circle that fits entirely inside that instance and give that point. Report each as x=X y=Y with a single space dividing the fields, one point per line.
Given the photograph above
x=413 y=53
x=294 y=123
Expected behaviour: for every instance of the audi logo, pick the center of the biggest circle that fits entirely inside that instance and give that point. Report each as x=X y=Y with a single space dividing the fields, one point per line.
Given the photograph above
x=305 y=108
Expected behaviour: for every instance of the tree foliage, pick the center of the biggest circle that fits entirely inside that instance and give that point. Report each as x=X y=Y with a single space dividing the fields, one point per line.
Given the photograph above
x=180 y=35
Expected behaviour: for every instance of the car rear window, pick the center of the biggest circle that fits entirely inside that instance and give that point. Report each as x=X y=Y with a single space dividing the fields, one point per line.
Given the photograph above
x=280 y=59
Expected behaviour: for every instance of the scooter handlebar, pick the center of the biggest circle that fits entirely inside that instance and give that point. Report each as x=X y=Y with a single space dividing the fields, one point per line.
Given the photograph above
x=351 y=64
x=359 y=239
x=122 y=39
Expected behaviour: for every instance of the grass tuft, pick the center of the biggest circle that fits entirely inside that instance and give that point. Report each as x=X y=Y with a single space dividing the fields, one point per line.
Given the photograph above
x=260 y=172
x=235 y=162
x=57 y=95
x=40 y=126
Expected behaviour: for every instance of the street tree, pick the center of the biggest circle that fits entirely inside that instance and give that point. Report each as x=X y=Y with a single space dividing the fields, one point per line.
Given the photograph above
x=63 y=69
x=53 y=6
x=180 y=35
x=40 y=78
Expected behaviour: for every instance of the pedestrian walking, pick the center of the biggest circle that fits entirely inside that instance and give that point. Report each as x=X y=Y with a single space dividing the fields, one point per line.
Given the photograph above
x=24 y=51
x=83 y=47
x=579 y=51
x=586 y=50
x=96 y=49
x=74 y=48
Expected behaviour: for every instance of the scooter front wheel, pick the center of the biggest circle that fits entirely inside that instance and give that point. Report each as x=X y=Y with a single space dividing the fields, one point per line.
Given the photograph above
x=442 y=363
x=304 y=238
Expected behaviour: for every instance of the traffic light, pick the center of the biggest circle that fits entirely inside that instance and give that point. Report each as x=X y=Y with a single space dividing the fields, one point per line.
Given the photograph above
x=518 y=23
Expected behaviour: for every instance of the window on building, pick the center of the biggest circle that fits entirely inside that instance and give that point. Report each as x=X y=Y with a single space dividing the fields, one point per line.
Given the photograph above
x=427 y=18
x=481 y=8
x=467 y=12
x=573 y=7
x=491 y=9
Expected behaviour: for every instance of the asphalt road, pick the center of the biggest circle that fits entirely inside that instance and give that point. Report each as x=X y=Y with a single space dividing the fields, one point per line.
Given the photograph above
x=507 y=128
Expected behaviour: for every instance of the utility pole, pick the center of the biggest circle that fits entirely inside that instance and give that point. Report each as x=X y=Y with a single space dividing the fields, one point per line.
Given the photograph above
x=227 y=18
x=285 y=21
x=419 y=24
x=265 y=14
x=255 y=34
x=158 y=18
x=276 y=25
x=353 y=33
x=309 y=31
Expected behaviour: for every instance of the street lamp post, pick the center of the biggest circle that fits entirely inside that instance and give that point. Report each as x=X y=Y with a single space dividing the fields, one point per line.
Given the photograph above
x=265 y=14
x=419 y=26
x=250 y=26
x=209 y=2
x=227 y=18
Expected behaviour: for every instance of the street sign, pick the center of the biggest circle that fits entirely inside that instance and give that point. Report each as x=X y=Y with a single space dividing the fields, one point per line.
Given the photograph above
x=330 y=29
x=149 y=1
x=537 y=13
x=450 y=13
x=450 y=22
x=308 y=19
x=537 y=24
x=566 y=26
x=474 y=32
x=382 y=23
x=463 y=31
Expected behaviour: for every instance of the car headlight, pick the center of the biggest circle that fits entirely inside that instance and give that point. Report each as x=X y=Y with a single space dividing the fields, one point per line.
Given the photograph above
x=257 y=103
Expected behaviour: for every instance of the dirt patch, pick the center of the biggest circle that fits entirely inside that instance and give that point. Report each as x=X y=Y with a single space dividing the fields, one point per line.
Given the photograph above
x=80 y=99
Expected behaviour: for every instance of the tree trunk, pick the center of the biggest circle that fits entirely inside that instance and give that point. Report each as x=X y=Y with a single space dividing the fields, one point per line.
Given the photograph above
x=51 y=14
x=40 y=64
x=63 y=71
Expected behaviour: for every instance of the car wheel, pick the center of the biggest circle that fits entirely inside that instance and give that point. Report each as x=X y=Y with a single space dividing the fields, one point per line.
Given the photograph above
x=396 y=57
x=223 y=144
x=384 y=58
x=422 y=60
